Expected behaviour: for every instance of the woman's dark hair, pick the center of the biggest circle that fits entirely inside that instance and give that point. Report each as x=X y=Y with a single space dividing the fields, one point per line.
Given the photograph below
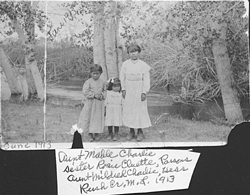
x=133 y=48
x=113 y=82
x=96 y=68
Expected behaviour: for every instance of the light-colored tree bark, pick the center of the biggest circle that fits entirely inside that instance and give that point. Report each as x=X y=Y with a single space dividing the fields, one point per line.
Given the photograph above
x=27 y=39
x=119 y=47
x=5 y=92
x=16 y=78
x=230 y=98
x=110 y=39
x=32 y=73
x=9 y=72
x=107 y=47
x=21 y=78
x=99 y=47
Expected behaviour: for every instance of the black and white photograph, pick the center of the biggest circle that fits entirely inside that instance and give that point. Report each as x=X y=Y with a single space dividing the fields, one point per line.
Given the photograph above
x=122 y=73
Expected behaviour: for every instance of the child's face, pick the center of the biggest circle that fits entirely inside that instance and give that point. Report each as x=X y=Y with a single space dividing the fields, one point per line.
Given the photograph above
x=116 y=88
x=134 y=55
x=95 y=75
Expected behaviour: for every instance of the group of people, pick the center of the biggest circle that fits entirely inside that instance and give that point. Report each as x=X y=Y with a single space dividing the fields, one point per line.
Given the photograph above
x=118 y=102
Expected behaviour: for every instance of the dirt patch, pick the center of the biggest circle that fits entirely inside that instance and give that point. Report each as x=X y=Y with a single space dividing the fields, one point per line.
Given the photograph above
x=25 y=123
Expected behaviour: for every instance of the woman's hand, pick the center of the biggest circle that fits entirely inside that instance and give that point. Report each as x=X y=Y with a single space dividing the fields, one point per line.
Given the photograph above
x=123 y=94
x=143 y=97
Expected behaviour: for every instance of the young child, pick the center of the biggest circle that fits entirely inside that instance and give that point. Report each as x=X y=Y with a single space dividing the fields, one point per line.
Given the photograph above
x=135 y=82
x=91 y=119
x=113 y=105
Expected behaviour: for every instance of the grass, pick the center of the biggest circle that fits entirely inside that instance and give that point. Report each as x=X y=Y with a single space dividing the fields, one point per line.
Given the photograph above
x=25 y=123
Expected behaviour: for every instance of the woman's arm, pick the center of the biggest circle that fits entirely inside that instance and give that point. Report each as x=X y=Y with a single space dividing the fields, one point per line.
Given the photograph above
x=104 y=91
x=123 y=77
x=123 y=80
x=146 y=82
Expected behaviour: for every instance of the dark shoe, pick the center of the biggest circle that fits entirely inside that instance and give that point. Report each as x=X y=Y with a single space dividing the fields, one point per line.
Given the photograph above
x=97 y=137
x=116 y=137
x=140 y=135
x=91 y=137
x=109 y=137
x=131 y=134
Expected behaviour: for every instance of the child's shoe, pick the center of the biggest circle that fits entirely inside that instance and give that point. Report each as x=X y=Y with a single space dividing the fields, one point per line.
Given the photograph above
x=116 y=136
x=91 y=137
x=110 y=135
x=140 y=135
x=97 y=136
x=131 y=134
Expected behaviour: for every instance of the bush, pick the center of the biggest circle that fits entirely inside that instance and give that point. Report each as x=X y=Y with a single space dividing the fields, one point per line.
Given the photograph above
x=62 y=62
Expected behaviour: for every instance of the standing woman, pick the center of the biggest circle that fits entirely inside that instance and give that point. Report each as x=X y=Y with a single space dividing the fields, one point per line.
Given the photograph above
x=135 y=82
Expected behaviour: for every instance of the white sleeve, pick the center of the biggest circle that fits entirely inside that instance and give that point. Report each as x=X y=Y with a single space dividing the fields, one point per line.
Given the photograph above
x=146 y=79
x=123 y=77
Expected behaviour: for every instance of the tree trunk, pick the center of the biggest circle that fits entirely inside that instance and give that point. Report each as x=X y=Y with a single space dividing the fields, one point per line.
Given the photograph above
x=99 y=47
x=5 y=92
x=110 y=39
x=119 y=48
x=10 y=73
x=223 y=67
x=32 y=73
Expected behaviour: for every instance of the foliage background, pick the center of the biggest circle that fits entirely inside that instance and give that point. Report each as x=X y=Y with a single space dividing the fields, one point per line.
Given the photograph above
x=175 y=37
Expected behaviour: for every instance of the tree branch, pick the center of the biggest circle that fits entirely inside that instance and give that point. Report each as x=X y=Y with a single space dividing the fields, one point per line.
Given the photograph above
x=236 y=4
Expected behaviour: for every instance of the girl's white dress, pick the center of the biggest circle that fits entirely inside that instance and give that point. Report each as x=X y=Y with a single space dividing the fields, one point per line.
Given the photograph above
x=135 y=79
x=91 y=118
x=113 y=103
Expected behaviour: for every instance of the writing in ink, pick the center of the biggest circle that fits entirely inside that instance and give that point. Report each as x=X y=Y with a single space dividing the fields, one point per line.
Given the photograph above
x=86 y=188
x=166 y=160
x=102 y=164
x=102 y=154
x=63 y=157
x=129 y=154
x=176 y=169
x=83 y=166
x=114 y=184
x=128 y=163
x=164 y=179
x=112 y=174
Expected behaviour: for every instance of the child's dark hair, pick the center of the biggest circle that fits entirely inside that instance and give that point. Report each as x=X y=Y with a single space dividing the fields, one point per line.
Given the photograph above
x=114 y=82
x=96 y=68
x=133 y=48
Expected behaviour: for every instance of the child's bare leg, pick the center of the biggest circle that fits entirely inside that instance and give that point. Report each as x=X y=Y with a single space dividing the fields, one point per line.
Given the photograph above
x=110 y=130
x=116 y=137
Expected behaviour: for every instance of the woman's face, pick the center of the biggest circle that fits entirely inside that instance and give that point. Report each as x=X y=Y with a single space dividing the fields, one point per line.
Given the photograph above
x=95 y=75
x=134 y=55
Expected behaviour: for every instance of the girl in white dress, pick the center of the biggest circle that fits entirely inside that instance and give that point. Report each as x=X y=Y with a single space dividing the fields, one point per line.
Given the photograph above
x=113 y=103
x=91 y=119
x=135 y=82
